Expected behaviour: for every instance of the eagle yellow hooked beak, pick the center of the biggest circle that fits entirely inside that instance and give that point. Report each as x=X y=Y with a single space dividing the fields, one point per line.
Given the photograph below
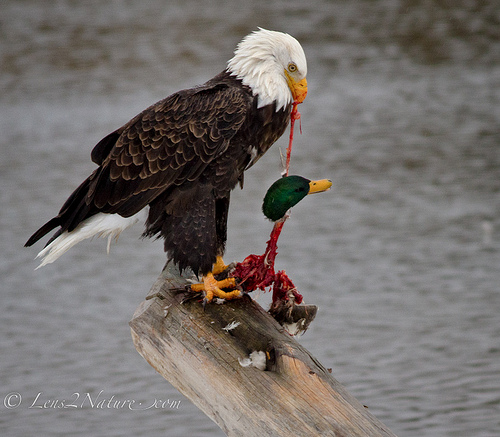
x=298 y=89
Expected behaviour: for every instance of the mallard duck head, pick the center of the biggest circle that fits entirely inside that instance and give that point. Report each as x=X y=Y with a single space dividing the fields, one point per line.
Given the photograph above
x=287 y=192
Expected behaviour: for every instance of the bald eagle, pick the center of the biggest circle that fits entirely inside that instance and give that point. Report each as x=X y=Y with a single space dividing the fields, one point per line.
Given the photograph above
x=174 y=165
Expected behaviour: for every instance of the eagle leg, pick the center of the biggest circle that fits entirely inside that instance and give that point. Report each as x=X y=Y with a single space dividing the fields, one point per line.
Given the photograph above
x=219 y=266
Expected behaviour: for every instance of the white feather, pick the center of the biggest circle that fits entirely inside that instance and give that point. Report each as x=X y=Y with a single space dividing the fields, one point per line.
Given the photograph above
x=260 y=60
x=231 y=326
x=100 y=225
x=256 y=359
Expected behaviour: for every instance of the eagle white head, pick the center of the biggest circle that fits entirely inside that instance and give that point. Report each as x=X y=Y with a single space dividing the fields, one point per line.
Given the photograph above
x=273 y=65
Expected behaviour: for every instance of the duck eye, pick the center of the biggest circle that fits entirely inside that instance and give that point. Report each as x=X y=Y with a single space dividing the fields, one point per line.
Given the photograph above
x=292 y=68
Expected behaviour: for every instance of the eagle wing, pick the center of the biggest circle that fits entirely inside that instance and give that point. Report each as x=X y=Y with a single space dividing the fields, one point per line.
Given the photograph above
x=168 y=144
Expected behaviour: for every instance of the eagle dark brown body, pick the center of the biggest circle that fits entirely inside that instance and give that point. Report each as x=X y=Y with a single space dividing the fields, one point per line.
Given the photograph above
x=181 y=156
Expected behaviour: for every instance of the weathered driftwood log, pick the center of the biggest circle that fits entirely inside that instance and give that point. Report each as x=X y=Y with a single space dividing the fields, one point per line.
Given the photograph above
x=242 y=369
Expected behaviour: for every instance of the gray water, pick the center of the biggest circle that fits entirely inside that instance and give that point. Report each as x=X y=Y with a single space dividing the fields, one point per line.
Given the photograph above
x=402 y=256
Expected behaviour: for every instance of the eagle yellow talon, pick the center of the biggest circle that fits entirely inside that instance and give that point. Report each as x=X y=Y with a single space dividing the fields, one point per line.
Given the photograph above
x=212 y=288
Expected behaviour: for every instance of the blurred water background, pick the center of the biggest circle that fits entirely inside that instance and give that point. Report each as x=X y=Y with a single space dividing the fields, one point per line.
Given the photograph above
x=402 y=256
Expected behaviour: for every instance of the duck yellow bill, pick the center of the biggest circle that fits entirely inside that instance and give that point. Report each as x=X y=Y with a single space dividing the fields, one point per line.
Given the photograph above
x=319 y=186
x=298 y=89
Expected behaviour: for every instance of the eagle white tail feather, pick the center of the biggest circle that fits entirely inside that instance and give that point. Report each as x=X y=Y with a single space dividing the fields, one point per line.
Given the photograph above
x=100 y=225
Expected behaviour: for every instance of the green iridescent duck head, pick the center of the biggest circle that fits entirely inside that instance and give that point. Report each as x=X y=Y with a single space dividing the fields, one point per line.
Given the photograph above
x=287 y=192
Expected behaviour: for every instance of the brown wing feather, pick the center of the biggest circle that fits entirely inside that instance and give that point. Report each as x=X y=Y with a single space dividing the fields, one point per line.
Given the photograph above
x=167 y=144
